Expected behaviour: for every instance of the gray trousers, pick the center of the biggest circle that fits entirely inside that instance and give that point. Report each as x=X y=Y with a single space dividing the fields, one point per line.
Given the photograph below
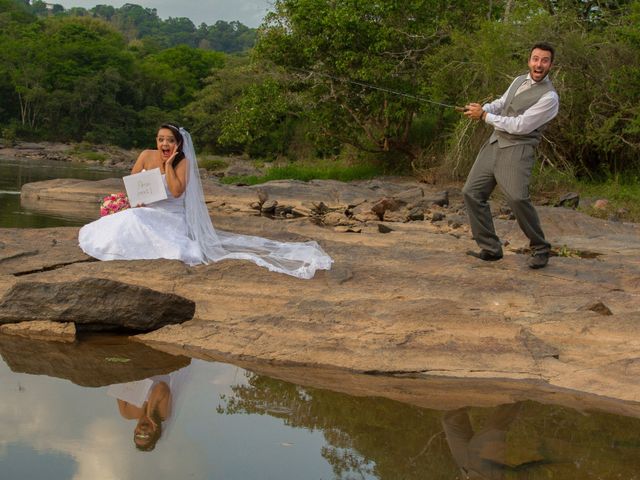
x=510 y=169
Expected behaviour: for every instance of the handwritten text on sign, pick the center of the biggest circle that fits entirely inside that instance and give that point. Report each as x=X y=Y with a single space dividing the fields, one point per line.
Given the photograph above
x=145 y=187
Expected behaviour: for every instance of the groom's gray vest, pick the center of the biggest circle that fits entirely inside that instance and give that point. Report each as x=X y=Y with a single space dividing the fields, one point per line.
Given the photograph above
x=515 y=105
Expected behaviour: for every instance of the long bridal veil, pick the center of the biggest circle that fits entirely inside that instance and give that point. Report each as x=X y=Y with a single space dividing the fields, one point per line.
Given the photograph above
x=300 y=259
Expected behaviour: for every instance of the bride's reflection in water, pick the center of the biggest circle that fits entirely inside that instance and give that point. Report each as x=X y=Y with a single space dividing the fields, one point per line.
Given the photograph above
x=152 y=402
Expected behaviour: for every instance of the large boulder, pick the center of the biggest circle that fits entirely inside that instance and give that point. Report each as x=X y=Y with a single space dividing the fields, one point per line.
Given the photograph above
x=96 y=304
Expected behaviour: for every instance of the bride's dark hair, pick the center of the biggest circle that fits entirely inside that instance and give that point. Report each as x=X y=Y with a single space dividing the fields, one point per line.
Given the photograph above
x=176 y=133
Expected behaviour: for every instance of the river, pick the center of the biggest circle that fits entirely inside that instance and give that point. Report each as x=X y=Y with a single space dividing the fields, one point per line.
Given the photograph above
x=16 y=172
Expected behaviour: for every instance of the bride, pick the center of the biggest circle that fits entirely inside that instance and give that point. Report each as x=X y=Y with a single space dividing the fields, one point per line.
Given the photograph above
x=180 y=227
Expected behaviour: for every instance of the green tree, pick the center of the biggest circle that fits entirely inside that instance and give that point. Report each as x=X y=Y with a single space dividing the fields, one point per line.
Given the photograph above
x=135 y=21
x=173 y=76
x=69 y=76
x=14 y=12
x=179 y=31
x=206 y=114
x=106 y=12
x=262 y=121
x=331 y=45
x=24 y=57
x=227 y=37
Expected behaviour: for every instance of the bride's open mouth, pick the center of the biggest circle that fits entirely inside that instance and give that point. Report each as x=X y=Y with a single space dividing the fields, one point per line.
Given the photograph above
x=166 y=152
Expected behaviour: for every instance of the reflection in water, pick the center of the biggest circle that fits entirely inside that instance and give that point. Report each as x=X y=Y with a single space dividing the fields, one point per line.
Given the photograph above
x=218 y=421
x=373 y=437
x=95 y=361
x=150 y=402
x=483 y=454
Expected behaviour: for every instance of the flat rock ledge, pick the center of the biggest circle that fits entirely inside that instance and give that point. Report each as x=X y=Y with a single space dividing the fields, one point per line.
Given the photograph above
x=402 y=299
x=42 y=330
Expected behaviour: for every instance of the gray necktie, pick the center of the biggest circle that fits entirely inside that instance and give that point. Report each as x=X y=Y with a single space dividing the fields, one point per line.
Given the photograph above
x=526 y=85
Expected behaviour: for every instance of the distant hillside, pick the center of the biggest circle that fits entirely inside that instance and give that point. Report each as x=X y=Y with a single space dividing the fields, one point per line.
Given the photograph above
x=143 y=25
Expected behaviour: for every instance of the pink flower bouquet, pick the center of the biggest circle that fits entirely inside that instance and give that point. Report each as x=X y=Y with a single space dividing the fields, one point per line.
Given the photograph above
x=114 y=203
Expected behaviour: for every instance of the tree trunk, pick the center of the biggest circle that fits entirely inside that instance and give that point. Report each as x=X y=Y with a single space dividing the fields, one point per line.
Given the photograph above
x=507 y=10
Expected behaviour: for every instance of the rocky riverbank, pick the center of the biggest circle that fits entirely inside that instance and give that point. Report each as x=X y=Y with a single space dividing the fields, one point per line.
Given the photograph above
x=62 y=152
x=402 y=298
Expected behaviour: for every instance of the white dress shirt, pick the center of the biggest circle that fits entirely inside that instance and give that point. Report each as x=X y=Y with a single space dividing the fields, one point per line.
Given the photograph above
x=541 y=112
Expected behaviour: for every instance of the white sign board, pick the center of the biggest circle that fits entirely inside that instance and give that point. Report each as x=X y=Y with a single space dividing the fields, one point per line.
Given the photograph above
x=145 y=187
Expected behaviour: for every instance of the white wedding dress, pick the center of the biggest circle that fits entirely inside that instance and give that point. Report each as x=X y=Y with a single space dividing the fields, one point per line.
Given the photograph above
x=155 y=231
x=181 y=229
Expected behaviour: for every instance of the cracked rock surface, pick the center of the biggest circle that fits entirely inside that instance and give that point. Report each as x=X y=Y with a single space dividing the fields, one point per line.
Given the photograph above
x=404 y=302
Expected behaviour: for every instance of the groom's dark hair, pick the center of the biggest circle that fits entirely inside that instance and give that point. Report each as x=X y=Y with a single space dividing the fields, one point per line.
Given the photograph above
x=176 y=133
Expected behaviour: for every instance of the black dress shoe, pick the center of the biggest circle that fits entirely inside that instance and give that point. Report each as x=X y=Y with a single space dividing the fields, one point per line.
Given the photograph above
x=485 y=255
x=538 y=260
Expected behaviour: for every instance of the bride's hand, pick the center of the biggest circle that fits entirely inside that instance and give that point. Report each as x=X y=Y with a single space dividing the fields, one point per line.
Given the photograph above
x=172 y=157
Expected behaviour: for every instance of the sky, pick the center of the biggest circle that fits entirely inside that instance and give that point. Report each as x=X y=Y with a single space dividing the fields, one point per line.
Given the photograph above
x=51 y=428
x=248 y=12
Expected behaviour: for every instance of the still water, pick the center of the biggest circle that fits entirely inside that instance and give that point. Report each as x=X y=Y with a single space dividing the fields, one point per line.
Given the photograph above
x=82 y=411
x=16 y=172
x=68 y=411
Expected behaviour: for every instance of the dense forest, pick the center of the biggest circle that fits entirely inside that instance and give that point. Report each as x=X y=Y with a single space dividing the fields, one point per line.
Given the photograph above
x=143 y=24
x=300 y=86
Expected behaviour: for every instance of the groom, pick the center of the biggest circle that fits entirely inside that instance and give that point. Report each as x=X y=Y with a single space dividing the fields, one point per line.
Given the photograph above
x=507 y=158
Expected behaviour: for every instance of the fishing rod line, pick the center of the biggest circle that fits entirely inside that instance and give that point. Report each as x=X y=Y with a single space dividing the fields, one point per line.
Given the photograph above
x=382 y=89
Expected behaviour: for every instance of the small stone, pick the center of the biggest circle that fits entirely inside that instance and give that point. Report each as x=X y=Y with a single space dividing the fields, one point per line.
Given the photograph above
x=412 y=195
x=505 y=210
x=333 y=218
x=437 y=216
x=282 y=210
x=269 y=206
x=598 y=307
x=395 y=217
x=365 y=217
x=340 y=274
x=416 y=214
x=347 y=229
x=569 y=200
x=320 y=208
x=382 y=228
x=386 y=203
x=441 y=199
x=301 y=211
